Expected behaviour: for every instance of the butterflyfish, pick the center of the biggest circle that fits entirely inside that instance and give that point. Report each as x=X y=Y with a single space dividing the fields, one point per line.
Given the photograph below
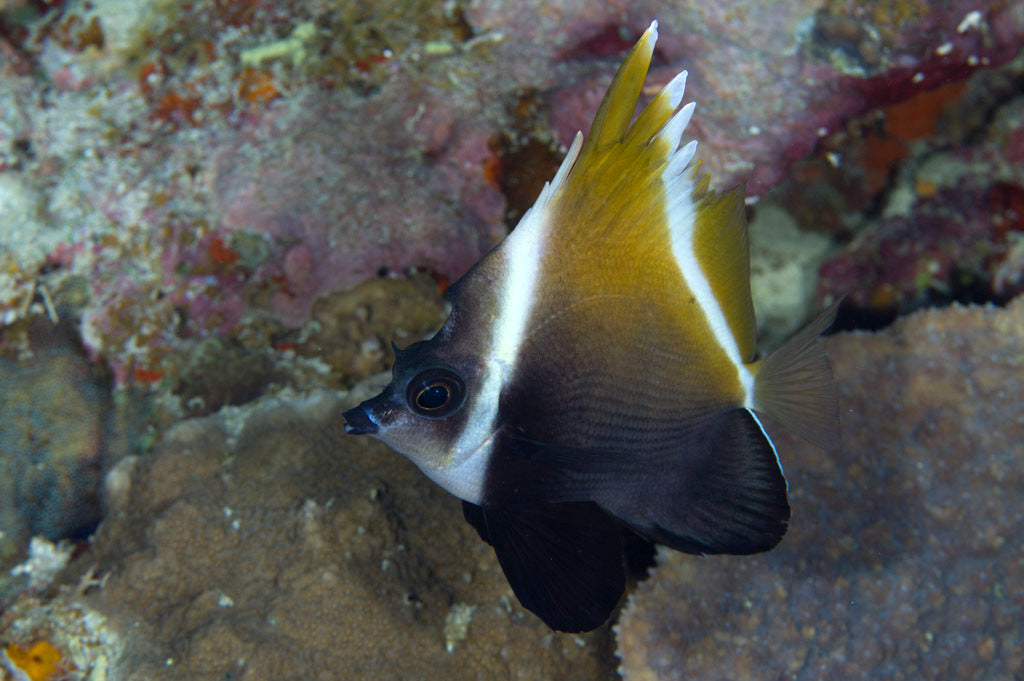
x=598 y=371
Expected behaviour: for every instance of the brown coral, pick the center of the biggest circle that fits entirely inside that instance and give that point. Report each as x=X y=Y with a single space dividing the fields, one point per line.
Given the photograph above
x=903 y=559
x=264 y=545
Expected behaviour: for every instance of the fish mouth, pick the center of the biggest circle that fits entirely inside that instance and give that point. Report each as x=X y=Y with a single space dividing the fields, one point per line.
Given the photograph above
x=358 y=422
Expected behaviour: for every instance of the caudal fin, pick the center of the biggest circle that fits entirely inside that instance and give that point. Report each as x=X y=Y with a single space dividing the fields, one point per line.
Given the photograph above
x=794 y=384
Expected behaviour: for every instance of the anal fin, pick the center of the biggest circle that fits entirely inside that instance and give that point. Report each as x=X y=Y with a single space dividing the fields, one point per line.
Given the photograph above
x=564 y=561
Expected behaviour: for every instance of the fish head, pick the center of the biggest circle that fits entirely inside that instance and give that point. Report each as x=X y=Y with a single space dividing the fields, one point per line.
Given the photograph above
x=422 y=413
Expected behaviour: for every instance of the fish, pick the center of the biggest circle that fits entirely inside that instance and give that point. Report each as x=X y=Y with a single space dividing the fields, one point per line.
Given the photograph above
x=598 y=375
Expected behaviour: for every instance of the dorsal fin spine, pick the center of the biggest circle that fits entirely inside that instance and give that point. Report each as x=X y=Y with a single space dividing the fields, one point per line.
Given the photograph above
x=616 y=109
x=654 y=116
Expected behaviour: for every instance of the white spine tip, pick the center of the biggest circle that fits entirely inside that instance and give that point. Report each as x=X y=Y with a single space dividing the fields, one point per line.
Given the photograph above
x=651 y=31
x=675 y=89
x=672 y=131
x=681 y=159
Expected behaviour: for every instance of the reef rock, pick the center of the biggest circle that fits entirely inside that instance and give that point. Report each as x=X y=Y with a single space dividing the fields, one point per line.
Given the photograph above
x=263 y=544
x=770 y=79
x=903 y=558
x=55 y=441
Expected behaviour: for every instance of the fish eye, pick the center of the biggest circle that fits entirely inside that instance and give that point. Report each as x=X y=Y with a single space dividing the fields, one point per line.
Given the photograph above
x=435 y=393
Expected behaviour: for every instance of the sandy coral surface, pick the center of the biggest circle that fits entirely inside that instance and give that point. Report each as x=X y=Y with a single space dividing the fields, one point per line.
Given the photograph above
x=903 y=559
x=267 y=545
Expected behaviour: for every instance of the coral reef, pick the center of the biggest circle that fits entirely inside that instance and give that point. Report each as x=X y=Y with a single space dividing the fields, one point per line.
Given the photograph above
x=770 y=79
x=56 y=641
x=783 y=261
x=263 y=544
x=229 y=163
x=199 y=188
x=929 y=194
x=958 y=244
x=224 y=180
x=903 y=556
x=61 y=428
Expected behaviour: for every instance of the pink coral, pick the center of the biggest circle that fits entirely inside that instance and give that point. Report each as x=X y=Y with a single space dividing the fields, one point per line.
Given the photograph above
x=768 y=78
x=378 y=156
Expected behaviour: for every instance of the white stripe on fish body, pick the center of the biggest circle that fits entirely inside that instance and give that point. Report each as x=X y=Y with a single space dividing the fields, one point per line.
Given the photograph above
x=682 y=219
x=524 y=252
x=771 y=443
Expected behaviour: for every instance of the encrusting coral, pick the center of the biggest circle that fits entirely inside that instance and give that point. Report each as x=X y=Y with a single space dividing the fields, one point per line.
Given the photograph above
x=262 y=544
x=903 y=556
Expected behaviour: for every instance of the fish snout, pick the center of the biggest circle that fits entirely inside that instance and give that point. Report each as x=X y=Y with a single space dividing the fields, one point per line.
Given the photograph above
x=358 y=422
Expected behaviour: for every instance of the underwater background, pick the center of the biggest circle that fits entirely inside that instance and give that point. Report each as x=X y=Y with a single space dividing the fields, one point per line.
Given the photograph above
x=216 y=215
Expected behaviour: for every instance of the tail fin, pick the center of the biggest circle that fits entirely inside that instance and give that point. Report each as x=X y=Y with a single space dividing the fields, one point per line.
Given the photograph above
x=794 y=385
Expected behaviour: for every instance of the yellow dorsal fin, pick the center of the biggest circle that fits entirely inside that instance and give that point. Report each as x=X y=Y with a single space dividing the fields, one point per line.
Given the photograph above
x=624 y=184
x=720 y=243
x=617 y=159
x=617 y=107
x=632 y=229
